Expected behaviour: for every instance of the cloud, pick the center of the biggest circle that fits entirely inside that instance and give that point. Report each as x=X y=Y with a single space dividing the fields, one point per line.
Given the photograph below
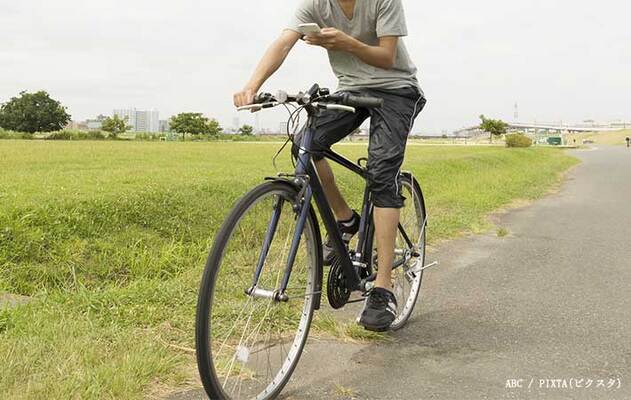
x=560 y=60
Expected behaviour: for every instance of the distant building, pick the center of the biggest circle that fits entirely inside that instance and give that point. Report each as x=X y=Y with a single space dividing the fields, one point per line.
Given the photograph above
x=77 y=125
x=620 y=125
x=95 y=124
x=163 y=126
x=140 y=121
x=147 y=121
x=128 y=115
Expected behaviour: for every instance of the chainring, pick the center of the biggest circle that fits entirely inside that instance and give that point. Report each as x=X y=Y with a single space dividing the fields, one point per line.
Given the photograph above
x=337 y=288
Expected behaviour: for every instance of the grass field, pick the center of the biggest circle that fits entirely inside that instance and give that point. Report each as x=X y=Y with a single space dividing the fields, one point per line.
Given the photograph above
x=110 y=238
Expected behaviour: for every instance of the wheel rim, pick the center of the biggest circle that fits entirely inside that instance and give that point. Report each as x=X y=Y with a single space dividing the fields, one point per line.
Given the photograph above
x=255 y=342
x=405 y=287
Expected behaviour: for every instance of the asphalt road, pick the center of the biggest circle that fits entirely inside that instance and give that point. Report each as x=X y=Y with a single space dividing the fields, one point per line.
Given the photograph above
x=542 y=310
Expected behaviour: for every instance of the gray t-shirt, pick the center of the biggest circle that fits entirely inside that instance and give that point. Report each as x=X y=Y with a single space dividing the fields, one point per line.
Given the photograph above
x=372 y=19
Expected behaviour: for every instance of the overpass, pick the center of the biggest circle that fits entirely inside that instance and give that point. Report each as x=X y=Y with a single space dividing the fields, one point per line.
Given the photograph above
x=548 y=128
x=560 y=128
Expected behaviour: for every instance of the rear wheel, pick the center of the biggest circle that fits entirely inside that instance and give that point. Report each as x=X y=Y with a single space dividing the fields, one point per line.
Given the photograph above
x=248 y=347
x=409 y=252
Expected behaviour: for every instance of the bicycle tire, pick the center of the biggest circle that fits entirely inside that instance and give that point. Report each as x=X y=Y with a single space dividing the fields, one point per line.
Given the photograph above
x=207 y=366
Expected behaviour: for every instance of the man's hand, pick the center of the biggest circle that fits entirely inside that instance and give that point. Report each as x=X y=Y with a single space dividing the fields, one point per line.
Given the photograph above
x=382 y=56
x=244 y=98
x=332 y=39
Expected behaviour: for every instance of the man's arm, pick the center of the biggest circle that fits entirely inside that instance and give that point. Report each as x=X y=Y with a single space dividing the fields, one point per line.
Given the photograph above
x=382 y=56
x=271 y=61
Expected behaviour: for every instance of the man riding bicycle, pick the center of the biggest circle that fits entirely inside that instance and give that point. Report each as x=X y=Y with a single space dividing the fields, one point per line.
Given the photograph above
x=368 y=56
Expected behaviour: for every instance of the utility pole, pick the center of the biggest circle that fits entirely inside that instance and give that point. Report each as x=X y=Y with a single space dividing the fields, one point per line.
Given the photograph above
x=516 y=115
x=257 y=124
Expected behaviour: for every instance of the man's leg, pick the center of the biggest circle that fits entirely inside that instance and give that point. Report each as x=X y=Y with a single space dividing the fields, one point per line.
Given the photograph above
x=386 y=226
x=341 y=209
x=390 y=126
x=347 y=220
x=331 y=127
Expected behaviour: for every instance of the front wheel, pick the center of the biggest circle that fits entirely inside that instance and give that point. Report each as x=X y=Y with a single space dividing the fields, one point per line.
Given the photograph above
x=248 y=347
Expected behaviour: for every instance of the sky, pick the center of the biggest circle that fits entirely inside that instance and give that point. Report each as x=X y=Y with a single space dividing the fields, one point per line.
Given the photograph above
x=559 y=60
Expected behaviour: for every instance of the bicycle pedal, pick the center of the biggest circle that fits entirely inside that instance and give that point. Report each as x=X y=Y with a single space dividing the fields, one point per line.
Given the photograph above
x=428 y=266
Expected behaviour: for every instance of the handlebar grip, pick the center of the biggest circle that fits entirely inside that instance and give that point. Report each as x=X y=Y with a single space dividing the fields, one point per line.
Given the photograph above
x=263 y=98
x=362 y=101
x=340 y=107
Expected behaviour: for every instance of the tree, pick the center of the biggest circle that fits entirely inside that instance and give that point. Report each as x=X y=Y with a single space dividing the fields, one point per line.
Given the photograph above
x=494 y=127
x=194 y=124
x=115 y=125
x=246 y=130
x=214 y=129
x=33 y=112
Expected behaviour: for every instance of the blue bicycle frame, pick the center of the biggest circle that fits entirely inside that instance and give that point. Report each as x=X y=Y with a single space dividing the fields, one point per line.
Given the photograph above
x=306 y=179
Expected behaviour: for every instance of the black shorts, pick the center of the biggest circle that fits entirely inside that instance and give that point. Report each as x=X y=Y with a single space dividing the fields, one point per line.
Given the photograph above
x=390 y=126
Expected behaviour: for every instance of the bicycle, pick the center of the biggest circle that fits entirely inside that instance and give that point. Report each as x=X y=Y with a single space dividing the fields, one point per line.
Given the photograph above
x=255 y=307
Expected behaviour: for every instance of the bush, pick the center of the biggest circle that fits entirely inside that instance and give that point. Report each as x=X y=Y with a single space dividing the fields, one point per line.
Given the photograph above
x=76 y=135
x=95 y=135
x=228 y=137
x=518 y=140
x=60 y=135
x=149 y=136
x=14 y=135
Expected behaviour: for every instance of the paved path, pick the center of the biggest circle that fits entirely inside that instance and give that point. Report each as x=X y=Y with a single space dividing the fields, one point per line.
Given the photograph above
x=11 y=300
x=552 y=300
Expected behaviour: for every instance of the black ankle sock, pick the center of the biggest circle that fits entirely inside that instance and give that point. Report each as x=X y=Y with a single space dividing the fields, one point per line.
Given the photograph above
x=351 y=219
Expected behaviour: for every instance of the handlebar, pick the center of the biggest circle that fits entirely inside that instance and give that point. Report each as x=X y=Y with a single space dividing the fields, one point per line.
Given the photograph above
x=261 y=98
x=315 y=97
x=350 y=100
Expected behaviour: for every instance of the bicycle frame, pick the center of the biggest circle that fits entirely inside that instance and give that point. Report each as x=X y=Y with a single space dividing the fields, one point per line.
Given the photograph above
x=305 y=168
x=307 y=180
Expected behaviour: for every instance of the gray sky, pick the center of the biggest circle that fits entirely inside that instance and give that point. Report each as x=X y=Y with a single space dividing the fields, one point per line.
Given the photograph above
x=558 y=59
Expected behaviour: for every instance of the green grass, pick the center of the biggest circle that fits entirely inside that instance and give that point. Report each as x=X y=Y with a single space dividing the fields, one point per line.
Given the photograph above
x=502 y=232
x=110 y=239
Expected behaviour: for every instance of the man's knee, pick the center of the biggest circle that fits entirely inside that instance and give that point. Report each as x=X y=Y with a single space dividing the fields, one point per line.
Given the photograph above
x=387 y=199
x=317 y=151
x=384 y=183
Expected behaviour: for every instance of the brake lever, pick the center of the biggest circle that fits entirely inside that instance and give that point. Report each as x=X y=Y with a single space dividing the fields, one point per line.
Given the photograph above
x=257 y=107
x=336 y=107
x=282 y=96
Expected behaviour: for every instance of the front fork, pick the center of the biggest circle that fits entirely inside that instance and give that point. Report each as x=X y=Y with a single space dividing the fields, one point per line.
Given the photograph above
x=302 y=207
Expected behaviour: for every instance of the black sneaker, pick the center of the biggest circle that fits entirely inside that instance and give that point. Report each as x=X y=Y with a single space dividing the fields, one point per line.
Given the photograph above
x=349 y=229
x=379 y=311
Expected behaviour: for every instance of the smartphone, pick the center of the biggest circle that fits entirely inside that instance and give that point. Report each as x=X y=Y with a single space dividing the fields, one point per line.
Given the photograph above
x=309 y=29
